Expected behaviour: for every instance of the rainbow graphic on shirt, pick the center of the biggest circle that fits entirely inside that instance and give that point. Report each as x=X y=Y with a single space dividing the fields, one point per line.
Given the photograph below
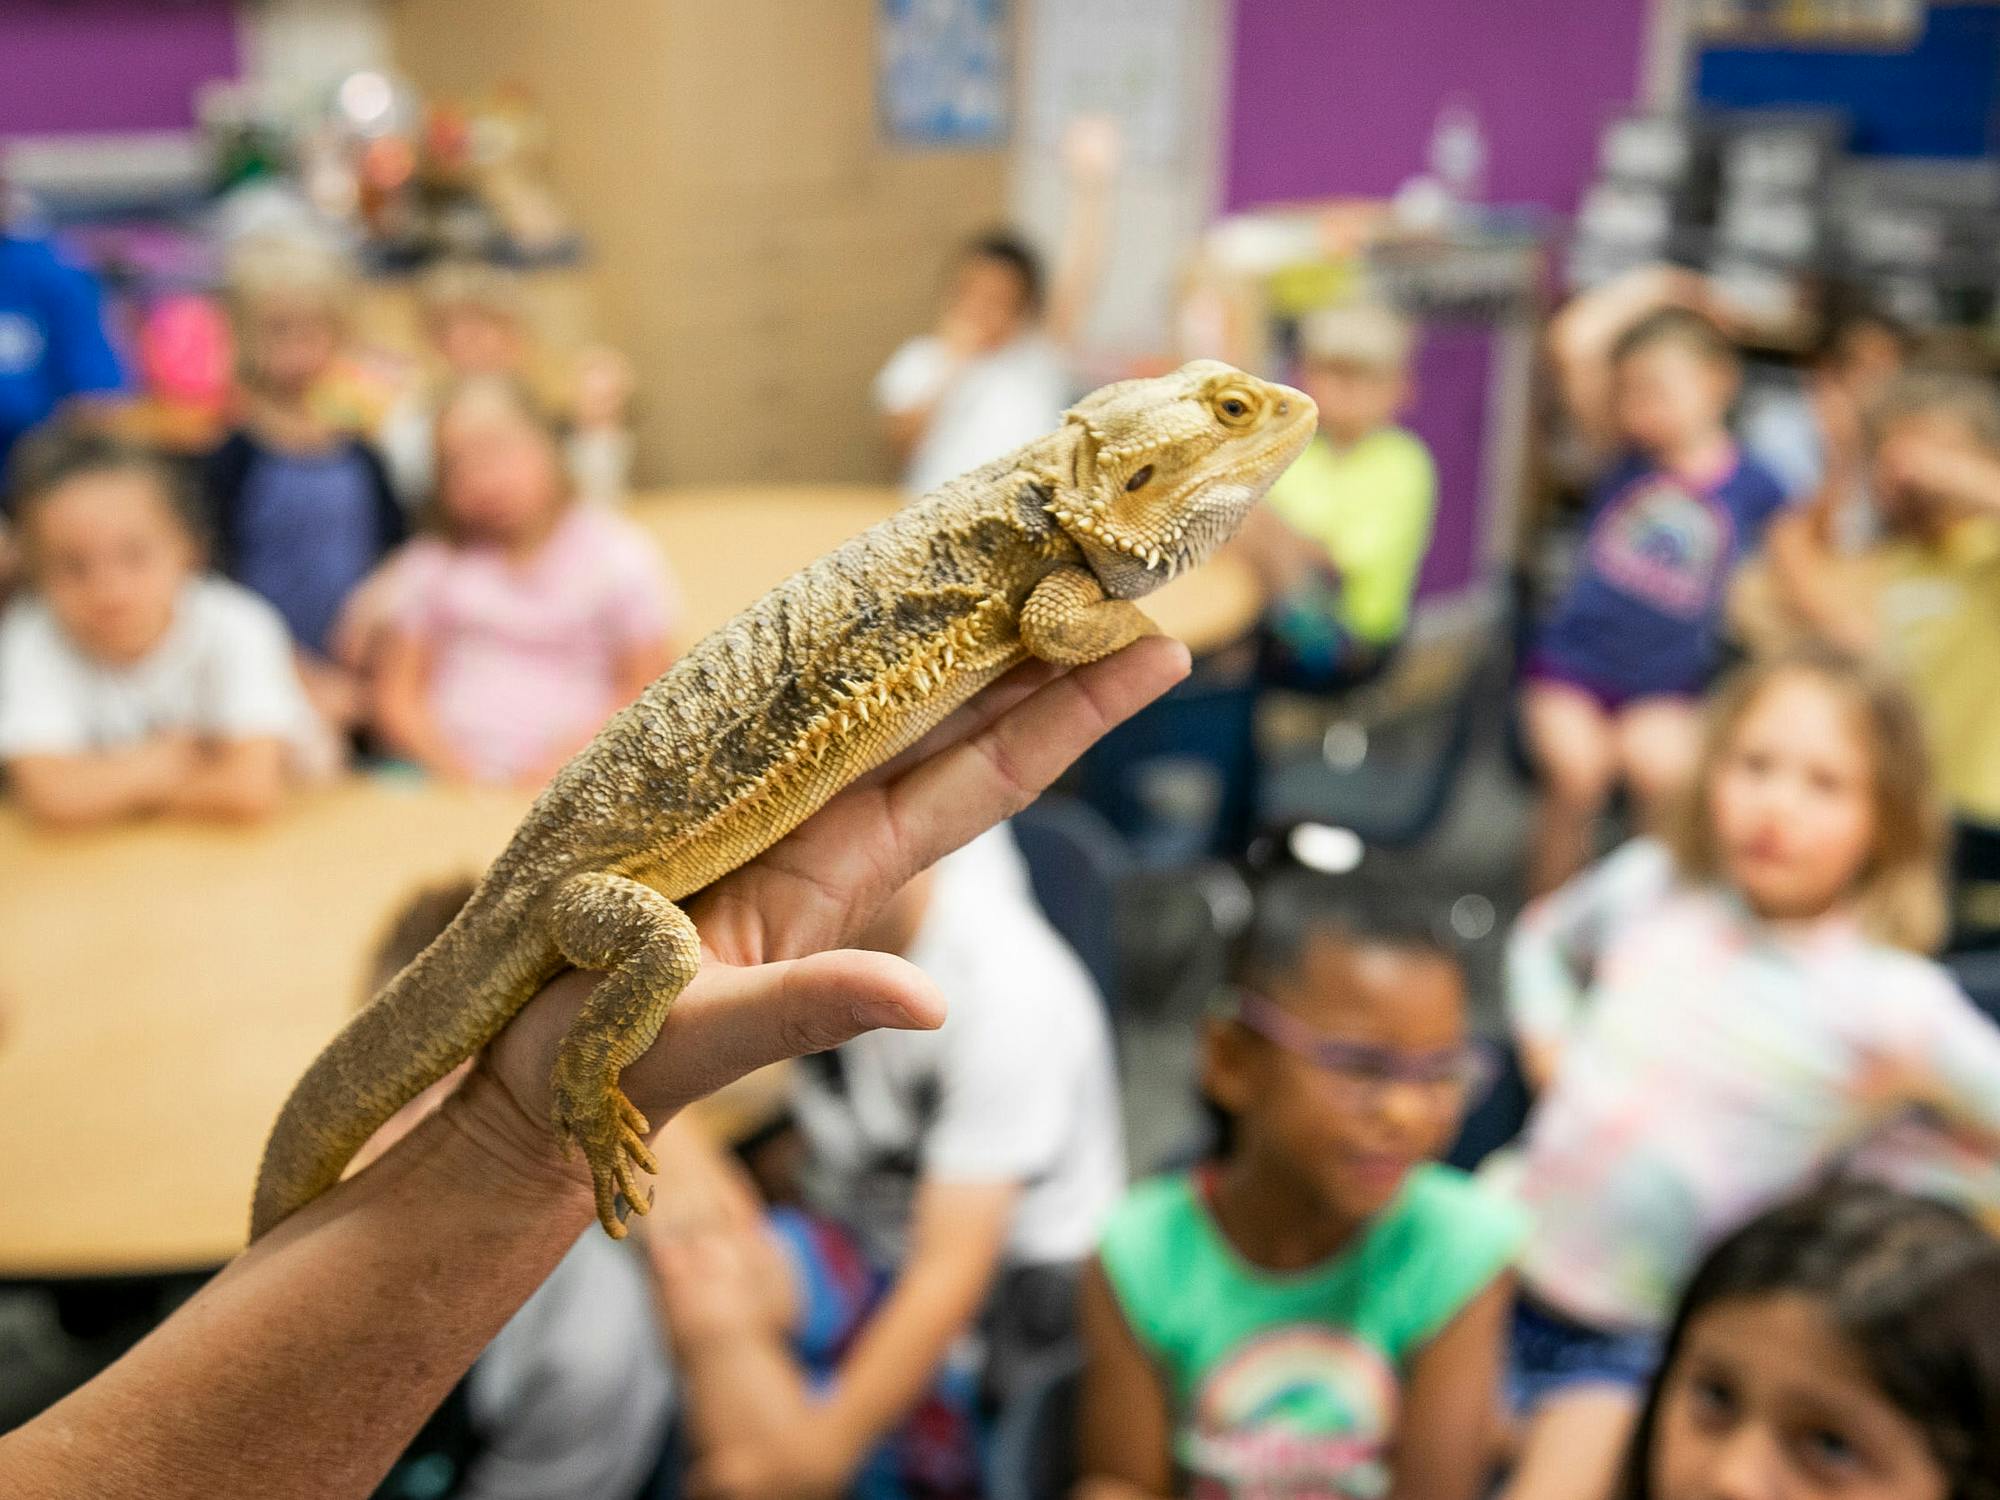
x=1665 y=543
x=1299 y=1411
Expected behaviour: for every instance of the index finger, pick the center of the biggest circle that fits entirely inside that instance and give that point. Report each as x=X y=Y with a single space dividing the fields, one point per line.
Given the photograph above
x=956 y=795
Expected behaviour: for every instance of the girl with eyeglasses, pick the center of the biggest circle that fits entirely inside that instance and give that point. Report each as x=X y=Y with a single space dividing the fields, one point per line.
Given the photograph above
x=1321 y=1308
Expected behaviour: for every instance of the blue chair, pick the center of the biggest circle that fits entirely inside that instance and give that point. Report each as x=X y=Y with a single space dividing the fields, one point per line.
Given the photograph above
x=1399 y=787
x=1078 y=865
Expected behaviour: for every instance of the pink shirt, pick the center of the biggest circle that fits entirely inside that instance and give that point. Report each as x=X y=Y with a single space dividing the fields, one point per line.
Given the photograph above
x=526 y=653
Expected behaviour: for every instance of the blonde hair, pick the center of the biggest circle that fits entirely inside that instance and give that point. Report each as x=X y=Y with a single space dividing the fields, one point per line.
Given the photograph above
x=290 y=268
x=1964 y=399
x=1899 y=894
x=452 y=285
x=1366 y=334
x=494 y=394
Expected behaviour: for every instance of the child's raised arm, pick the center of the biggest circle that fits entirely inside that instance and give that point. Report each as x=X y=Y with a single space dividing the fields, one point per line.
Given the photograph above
x=1125 y=1430
x=1090 y=151
x=1581 y=337
x=1552 y=952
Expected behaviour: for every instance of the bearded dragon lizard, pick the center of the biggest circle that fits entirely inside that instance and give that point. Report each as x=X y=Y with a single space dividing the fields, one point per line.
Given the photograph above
x=1039 y=554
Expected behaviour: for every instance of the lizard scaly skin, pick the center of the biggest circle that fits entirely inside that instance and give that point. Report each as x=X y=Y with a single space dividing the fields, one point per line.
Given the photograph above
x=833 y=672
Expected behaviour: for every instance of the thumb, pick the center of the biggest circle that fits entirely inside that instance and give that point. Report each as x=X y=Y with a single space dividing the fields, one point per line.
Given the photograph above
x=733 y=1020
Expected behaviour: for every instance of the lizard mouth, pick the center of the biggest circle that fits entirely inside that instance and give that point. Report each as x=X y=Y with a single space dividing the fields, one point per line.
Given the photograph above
x=1206 y=514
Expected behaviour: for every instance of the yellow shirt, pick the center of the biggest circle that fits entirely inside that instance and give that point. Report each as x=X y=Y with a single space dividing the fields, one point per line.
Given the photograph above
x=1939 y=612
x=1370 y=506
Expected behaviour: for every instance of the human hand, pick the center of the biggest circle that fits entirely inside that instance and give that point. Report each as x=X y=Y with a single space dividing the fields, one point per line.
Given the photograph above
x=768 y=989
x=1092 y=147
x=164 y=762
x=604 y=384
x=1937 y=466
x=963 y=338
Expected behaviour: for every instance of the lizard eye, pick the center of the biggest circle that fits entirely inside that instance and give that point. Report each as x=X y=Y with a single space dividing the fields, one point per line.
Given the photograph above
x=1234 y=409
x=1139 y=480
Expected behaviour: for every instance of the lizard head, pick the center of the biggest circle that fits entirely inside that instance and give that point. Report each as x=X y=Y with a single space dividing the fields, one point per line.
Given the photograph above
x=1160 y=472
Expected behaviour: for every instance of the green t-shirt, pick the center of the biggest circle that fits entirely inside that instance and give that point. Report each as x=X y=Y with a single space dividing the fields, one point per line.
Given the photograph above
x=1289 y=1384
x=1370 y=506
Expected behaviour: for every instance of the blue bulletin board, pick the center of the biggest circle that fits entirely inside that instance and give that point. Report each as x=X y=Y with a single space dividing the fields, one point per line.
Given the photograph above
x=941 y=72
x=1936 y=97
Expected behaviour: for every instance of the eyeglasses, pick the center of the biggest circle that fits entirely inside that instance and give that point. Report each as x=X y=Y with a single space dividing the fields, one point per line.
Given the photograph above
x=1363 y=1071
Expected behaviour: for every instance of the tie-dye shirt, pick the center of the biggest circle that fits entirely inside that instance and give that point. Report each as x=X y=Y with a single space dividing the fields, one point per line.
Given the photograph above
x=1709 y=1063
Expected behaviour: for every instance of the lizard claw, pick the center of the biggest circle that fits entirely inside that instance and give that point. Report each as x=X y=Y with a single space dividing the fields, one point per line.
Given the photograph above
x=613 y=1133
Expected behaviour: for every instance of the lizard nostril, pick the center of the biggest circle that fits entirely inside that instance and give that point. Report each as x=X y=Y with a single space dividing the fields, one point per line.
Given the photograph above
x=1284 y=408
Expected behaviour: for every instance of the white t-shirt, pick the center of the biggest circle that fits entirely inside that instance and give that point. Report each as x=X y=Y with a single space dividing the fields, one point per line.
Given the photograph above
x=1018 y=1085
x=988 y=407
x=573 y=1395
x=223 y=671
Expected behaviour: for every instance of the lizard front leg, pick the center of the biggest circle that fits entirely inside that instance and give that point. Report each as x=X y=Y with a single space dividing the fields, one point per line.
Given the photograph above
x=1069 y=620
x=649 y=951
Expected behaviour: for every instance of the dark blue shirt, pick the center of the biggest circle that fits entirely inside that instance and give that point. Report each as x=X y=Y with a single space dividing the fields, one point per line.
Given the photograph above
x=1644 y=613
x=302 y=529
x=52 y=340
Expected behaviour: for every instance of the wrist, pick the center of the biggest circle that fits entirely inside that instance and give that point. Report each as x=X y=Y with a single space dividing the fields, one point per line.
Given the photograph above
x=493 y=1144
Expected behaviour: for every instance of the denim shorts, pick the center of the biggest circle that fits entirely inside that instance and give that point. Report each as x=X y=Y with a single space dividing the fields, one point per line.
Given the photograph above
x=1552 y=1355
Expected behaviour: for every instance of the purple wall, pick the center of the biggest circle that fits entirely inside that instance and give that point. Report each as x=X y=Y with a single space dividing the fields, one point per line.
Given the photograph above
x=103 y=65
x=1339 y=96
x=1453 y=371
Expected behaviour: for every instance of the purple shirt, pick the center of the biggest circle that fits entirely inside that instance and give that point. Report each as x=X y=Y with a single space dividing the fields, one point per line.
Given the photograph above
x=1643 y=614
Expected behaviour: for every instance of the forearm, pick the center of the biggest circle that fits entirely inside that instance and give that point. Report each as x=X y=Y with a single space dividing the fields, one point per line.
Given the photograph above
x=307 y=1365
x=905 y=429
x=407 y=726
x=744 y=1391
x=72 y=791
x=1807 y=585
x=1093 y=1488
x=235 y=781
x=1080 y=263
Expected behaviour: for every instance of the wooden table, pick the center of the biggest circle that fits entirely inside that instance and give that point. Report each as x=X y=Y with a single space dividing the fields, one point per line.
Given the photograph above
x=164 y=984
x=728 y=544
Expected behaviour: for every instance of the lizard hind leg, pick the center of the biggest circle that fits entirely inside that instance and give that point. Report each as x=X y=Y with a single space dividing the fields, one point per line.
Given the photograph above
x=648 y=951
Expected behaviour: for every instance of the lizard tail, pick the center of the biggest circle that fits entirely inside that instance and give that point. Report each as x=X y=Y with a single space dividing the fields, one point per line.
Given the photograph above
x=450 y=1001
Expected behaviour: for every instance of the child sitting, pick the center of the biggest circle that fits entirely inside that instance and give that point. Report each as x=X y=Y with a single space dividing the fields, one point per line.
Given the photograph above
x=1809 y=437
x=1614 y=677
x=994 y=373
x=1843 y=1344
x=1322 y=1310
x=477 y=325
x=1925 y=597
x=302 y=507
x=518 y=629
x=957 y=1179
x=129 y=683
x=1714 y=1023
x=1339 y=546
